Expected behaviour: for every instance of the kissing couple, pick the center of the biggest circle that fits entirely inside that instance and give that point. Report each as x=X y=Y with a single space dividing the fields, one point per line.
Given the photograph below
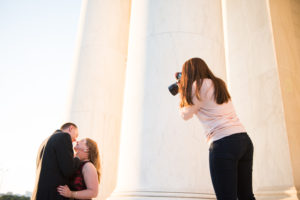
x=61 y=175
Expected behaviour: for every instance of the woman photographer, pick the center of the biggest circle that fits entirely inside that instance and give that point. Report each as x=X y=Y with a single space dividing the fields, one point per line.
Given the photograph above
x=231 y=149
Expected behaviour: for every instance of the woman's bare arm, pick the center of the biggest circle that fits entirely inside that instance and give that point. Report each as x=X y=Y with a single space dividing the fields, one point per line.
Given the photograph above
x=91 y=181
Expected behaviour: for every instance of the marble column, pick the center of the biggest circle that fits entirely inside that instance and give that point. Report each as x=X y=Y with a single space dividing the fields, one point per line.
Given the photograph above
x=264 y=95
x=97 y=98
x=161 y=155
x=285 y=17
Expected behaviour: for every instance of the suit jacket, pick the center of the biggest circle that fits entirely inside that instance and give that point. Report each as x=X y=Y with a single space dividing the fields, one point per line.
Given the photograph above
x=55 y=165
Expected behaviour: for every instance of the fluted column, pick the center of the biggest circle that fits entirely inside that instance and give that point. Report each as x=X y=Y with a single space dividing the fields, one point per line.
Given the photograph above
x=97 y=94
x=285 y=17
x=162 y=156
x=260 y=77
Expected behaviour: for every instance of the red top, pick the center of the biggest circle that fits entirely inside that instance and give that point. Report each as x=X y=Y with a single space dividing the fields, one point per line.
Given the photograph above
x=77 y=181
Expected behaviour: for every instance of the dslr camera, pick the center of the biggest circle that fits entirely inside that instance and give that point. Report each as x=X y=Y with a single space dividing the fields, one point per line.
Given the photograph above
x=174 y=87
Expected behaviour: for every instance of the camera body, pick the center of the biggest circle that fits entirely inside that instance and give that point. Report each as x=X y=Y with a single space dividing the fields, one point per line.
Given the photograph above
x=174 y=87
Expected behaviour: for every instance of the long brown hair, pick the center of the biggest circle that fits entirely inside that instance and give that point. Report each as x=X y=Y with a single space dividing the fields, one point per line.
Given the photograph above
x=195 y=69
x=94 y=156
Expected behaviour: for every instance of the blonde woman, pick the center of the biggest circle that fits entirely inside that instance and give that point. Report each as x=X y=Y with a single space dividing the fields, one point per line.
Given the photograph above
x=84 y=183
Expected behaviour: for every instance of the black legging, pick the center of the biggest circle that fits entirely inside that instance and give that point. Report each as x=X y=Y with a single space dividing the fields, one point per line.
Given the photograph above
x=230 y=161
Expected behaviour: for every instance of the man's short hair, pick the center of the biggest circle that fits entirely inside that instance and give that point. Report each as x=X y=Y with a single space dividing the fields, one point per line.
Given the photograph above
x=67 y=125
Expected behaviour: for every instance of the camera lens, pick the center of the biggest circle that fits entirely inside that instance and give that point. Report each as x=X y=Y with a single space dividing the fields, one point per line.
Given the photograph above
x=173 y=89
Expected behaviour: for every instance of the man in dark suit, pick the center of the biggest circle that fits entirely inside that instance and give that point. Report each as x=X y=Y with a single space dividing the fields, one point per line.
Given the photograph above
x=56 y=163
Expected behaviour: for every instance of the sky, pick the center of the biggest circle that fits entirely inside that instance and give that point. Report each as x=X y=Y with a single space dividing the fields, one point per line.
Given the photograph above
x=37 y=50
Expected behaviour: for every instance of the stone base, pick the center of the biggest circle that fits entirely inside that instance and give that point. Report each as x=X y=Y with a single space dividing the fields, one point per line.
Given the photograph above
x=278 y=193
x=149 y=195
x=261 y=194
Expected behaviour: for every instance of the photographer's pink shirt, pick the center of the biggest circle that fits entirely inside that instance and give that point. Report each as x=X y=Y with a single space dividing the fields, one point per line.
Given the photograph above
x=218 y=120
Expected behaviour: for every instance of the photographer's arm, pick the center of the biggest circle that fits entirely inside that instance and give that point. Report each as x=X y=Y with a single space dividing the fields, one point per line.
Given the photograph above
x=187 y=112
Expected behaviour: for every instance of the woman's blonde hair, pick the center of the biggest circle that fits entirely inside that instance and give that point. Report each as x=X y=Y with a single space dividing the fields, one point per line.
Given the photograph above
x=94 y=156
x=195 y=69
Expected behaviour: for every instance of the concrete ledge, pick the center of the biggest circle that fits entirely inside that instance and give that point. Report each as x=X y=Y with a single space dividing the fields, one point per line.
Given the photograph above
x=139 y=195
x=276 y=193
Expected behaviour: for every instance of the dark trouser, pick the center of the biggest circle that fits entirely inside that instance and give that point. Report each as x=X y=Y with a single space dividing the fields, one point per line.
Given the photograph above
x=230 y=161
